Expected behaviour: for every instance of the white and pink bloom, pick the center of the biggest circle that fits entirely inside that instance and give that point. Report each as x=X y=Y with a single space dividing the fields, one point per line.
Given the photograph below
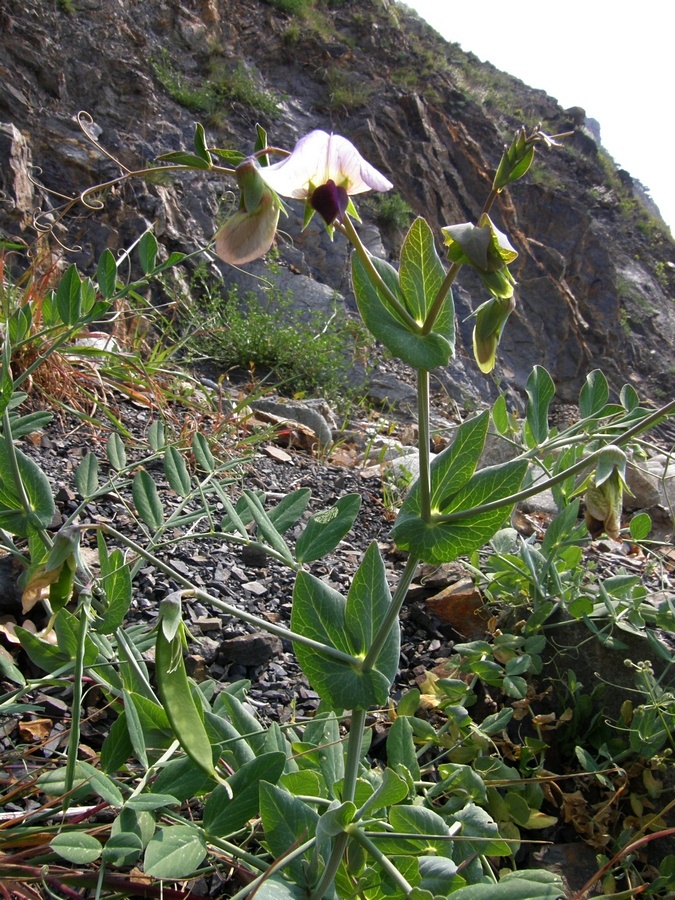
x=324 y=170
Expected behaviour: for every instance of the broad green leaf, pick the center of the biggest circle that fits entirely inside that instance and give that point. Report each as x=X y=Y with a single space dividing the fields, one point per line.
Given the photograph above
x=102 y=785
x=421 y=274
x=438 y=875
x=629 y=397
x=106 y=274
x=401 y=747
x=28 y=424
x=226 y=811
x=276 y=888
x=19 y=324
x=117 y=747
x=147 y=252
x=117 y=456
x=156 y=437
x=177 y=472
x=123 y=849
x=540 y=391
x=233 y=157
x=323 y=733
x=391 y=790
x=325 y=529
x=53 y=783
x=265 y=526
x=524 y=885
x=417 y=820
x=89 y=304
x=478 y=823
x=200 y=143
x=116 y=584
x=77 y=847
x=86 y=475
x=147 y=501
x=181 y=158
x=594 y=394
x=174 y=852
x=149 y=802
x=183 y=779
x=244 y=723
x=640 y=526
x=287 y=511
x=69 y=296
x=428 y=351
x=349 y=625
x=286 y=820
x=226 y=740
x=561 y=530
x=500 y=415
x=202 y=452
x=132 y=821
x=13 y=517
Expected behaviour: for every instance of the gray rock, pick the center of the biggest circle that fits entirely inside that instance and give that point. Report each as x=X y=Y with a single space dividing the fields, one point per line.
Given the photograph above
x=314 y=415
x=255 y=649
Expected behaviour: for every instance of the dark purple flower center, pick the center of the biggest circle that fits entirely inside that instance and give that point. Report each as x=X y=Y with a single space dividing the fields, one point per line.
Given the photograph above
x=330 y=201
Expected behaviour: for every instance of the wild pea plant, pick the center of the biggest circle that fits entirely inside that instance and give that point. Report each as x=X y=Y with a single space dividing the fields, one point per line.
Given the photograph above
x=301 y=811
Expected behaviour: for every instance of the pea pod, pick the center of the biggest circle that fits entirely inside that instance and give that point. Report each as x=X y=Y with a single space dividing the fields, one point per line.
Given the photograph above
x=177 y=700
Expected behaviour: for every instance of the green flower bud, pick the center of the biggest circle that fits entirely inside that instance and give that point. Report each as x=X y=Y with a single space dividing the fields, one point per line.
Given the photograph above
x=249 y=233
x=491 y=318
x=604 y=496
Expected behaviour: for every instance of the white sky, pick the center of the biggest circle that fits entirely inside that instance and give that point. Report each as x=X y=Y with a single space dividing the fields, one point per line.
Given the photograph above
x=614 y=60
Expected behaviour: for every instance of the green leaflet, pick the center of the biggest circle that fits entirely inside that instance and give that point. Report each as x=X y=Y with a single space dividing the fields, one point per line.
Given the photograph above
x=421 y=351
x=349 y=625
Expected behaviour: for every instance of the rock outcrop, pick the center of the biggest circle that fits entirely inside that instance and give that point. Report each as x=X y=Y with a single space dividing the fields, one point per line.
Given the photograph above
x=596 y=269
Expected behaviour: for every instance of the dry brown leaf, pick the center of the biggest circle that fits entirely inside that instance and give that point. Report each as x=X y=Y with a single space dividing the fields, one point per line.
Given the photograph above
x=35 y=731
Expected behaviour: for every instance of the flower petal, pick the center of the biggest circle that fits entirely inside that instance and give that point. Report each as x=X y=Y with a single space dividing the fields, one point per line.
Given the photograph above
x=317 y=158
x=248 y=235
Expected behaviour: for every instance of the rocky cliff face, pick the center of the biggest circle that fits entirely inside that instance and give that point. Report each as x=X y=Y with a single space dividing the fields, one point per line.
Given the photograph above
x=596 y=270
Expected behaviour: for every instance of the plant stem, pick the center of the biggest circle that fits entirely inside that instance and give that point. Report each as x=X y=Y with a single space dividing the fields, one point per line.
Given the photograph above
x=278 y=630
x=381 y=858
x=78 y=675
x=439 y=300
x=354 y=744
x=423 y=441
x=391 y=616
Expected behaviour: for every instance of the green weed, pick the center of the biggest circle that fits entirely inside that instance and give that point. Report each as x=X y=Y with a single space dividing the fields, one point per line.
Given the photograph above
x=263 y=336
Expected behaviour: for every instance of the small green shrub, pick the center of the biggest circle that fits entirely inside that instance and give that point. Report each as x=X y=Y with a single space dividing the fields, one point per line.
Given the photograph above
x=270 y=335
x=392 y=212
x=346 y=92
x=225 y=85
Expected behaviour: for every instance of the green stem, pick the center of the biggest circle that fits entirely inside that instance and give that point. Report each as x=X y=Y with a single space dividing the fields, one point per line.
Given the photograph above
x=423 y=441
x=391 y=616
x=354 y=745
x=381 y=858
x=76 y=707
x=437 y=305
x=241 y=614
x=347 y=228
x=250 y=888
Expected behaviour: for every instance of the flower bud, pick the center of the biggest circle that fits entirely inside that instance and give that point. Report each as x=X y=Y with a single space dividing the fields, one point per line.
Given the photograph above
x=249 y=233
x=491 y=318
x=604 y=496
